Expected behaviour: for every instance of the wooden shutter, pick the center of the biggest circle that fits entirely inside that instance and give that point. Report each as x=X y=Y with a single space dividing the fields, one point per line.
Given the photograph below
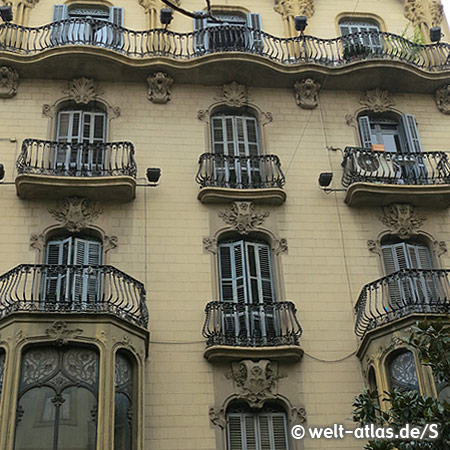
x=395 y=258
x=86 y=281
x=115 y=38
x=256 y=37
x=279 y=430
x=365 y=132
x=234 y=432
x=59 y=13
x=58 y=253
x=409 y=128
x=200 y=41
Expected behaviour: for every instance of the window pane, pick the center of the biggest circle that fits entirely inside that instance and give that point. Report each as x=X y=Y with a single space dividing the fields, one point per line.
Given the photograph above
x=57 y=402
x=402 y=372
x=123 y=403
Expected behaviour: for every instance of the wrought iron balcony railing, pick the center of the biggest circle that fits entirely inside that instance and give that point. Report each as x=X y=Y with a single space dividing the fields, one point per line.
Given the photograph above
x=239 y=172
x=365 y=165
x=223 y=38
x=253 y=325
x=400 y=294
x=73 y=288
x=76 y=159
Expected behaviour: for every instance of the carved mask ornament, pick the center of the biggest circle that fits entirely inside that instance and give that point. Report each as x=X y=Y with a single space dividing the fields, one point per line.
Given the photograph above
x=243 y=217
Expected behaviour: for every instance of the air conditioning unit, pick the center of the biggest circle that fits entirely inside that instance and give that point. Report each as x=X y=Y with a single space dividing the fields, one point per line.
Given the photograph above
x=375 y=165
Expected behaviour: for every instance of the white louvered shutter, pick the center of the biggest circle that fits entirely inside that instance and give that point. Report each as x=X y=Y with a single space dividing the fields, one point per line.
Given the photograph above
x=395 y=258
x=365 y=132
x=58 y=253
x=86 y=282
x=279 y=430
x=256 y=37
x=200 y=38
x=115 y=38
x=59 y=31
x=426 y=284
x=408 y=123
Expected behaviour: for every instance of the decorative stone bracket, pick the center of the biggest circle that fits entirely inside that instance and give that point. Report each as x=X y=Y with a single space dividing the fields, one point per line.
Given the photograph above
x=243 y=217
x=159 y=85
x=306 y=93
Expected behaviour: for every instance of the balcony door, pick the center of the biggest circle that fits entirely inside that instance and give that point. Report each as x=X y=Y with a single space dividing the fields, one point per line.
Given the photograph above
x=234 y=32
x=357 y=35
x=80 y=135
x=235 y=139
x=402 y=146
x=91 y=24
x=410 y=288
x=71 y=274
x=246 y=288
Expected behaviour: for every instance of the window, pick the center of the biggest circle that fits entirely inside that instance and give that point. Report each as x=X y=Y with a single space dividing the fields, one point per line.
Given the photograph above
x=360 y=34
x=123 y=412
x=236 y=138
x=2 y=369
x=72 y=273
x=399 y=137
x=90 y=24
x=402 y=371
x=57 y=401
x=237 y=32
x=411 y=287
x=246 y=286
x=83 y=131
x=265 y=429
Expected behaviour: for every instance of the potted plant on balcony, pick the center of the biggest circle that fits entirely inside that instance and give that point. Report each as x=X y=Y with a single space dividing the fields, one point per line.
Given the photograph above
x=356 y=52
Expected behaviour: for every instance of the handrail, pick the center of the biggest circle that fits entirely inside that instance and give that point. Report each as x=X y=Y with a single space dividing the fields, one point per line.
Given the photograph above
x=73 y=288
x=424 y=168
x=339 y=51
x=239 y=172
x=251 y=325
x=400 y=294
x=76 y=159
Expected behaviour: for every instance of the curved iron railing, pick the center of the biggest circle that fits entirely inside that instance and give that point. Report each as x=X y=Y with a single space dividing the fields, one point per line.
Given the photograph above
x=400 y=294
x=223 y=38
x=239 y=172
x=73 y=288
x=258 y=325
x=365 y=165
x=76 y=159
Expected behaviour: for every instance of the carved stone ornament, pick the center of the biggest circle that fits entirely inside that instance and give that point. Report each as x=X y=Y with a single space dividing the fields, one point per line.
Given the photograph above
x=233 y=94
x=424 y=12
x=217 y=417
x=292 y=8
x=159 y=84
x=442 y=98
x=377 y=100
x=374 y=247
x=37 y=241
x=243 y=217
x=350 y=120
x=156 y=4
x=255 y=381
x=82 y=90
x=298 y=414
x=109 y=242
x=61 y=333
x=210 y=245
x=439 y=247
x=280 y=246
x=75 y=213
x=402 y=220
x=306 y=92
x=9 y=82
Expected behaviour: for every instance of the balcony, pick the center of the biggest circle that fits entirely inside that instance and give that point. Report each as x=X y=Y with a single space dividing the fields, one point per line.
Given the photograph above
x=258 y=55
x=101 y=171
x=266 y=330
x=402 y=294
x=381 y=178
x=71 y=289
x=230 y=178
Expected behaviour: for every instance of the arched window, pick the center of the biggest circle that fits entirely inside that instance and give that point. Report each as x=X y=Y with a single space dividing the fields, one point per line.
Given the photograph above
x=235 y=140
x=123 y=411
x=250 y=316
x=72 y=274
x=360 y=34
x=402 y=371
x=57 y=400
x=80 y=133
x=264 y=429
x=411 y=287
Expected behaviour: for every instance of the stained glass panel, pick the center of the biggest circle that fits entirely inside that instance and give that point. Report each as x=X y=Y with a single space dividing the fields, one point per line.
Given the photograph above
x=402 y=372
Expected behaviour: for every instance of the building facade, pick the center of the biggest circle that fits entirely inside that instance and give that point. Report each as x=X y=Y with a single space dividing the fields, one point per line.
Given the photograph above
x=232 y=298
